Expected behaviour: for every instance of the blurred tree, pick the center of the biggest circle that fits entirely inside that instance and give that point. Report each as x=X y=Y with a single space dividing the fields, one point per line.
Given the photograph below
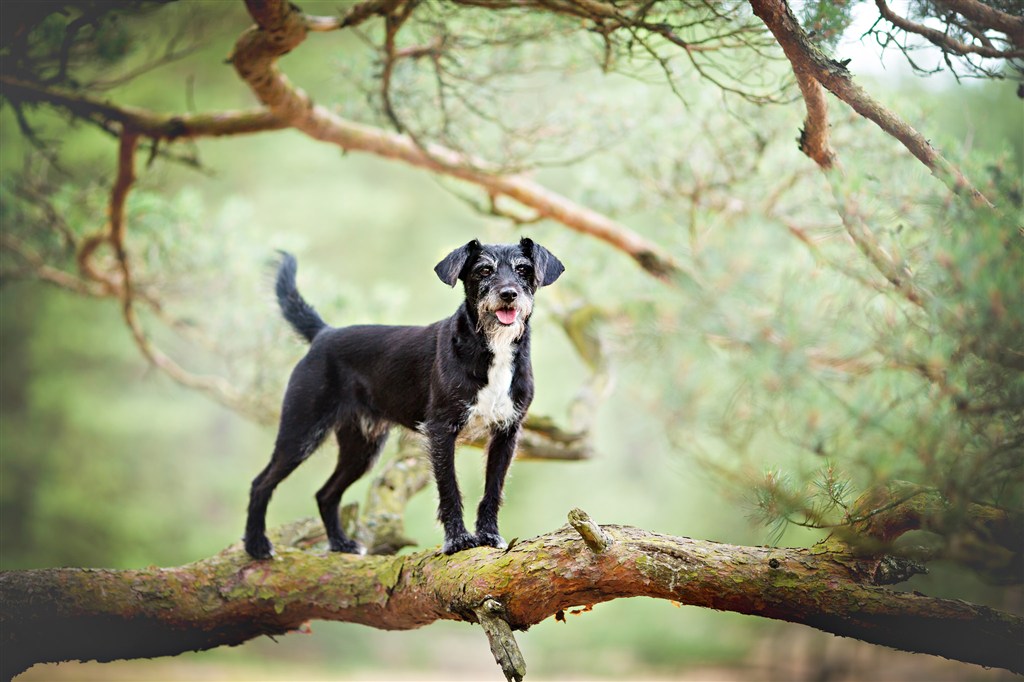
x=882 y=369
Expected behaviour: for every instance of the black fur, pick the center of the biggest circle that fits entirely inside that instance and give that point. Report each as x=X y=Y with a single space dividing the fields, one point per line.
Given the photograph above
x=300 y=315
x=358 y=381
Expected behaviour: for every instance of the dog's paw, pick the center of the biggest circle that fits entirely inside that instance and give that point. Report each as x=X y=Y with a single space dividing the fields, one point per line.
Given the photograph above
x=259 y=547
x=491 y=540
x=347 y=546
x=459 y=542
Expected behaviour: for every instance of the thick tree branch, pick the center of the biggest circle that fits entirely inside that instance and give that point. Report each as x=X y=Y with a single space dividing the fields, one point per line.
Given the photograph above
x=62 y=614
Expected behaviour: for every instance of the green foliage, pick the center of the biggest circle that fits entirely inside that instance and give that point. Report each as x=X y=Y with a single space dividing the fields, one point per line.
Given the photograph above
x=63 y=43
x=830 y=382
x=826 y=20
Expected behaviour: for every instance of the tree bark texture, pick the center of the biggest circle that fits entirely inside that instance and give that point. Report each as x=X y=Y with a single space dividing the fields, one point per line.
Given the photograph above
x=85 y=614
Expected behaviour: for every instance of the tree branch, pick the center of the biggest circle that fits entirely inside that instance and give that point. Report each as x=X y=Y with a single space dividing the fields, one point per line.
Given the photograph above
x=146 y=122
x=887 y=512
x=255 y=57
x=942 y=40
x=989 y=17
x=85 y=614
x=814 y=138
x=814 y=142
x=897 y=273
x=807 y=59
x=503 y=644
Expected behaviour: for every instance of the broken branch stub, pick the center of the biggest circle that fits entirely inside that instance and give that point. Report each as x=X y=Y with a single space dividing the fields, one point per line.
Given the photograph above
x=490 y=615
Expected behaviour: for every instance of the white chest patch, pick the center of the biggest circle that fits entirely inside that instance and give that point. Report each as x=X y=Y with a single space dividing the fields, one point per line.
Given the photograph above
x=494 y=406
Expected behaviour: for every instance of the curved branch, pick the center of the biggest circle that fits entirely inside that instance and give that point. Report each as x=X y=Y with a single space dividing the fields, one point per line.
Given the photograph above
x=255 y=57
x=62 y=614
x=806 y=58
x=814 y=142
x=989 y=17
x=942 y=40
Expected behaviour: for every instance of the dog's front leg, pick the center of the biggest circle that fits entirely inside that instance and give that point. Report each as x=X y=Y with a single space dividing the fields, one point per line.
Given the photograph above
x=500 y=452
x=449 y=511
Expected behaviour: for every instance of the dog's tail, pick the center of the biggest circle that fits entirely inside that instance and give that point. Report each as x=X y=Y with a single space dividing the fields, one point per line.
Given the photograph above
x=299 y=314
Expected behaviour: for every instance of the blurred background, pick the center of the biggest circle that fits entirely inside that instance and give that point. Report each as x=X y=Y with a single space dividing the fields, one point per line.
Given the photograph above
x=718 y=403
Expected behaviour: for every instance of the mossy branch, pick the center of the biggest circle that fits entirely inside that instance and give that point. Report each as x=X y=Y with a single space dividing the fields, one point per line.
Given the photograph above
x=89 y=614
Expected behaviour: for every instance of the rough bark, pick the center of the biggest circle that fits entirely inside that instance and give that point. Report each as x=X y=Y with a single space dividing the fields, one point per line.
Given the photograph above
x=69 y=613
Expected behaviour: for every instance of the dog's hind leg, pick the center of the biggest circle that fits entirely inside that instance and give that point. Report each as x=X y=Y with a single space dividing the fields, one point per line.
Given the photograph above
x=358 y=449
x=500 y=451
x=301 y=433
x=256 y=543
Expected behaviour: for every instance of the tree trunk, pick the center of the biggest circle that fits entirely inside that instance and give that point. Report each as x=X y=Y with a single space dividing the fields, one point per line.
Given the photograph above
x=63 y=614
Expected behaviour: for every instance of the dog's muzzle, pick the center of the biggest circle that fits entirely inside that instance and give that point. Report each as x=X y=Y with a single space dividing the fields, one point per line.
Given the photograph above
x=508 y=310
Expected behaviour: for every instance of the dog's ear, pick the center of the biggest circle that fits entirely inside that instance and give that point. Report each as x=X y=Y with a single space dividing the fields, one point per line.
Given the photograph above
x=449 y=270
x=545 y=264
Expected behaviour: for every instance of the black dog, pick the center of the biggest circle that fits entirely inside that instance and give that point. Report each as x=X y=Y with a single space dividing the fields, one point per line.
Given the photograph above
x=469 y=372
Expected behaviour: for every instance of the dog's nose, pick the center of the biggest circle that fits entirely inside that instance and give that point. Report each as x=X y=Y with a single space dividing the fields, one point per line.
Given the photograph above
x=508 y=294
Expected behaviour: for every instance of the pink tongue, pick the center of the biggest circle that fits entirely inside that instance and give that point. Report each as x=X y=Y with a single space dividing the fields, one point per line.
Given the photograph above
x=506 y=316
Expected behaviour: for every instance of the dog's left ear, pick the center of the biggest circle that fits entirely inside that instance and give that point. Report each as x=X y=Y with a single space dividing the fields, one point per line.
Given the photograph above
x=450 y=269
x=547 y=267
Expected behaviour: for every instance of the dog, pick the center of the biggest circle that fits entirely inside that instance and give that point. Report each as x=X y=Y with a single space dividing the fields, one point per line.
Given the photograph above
x=467 y=374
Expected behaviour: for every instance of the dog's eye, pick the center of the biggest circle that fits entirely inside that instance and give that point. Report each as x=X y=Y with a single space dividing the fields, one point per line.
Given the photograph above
x=485 y=271
x=524 y=270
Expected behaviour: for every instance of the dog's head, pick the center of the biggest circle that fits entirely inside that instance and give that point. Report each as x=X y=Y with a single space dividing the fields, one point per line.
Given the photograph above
x=500 y=280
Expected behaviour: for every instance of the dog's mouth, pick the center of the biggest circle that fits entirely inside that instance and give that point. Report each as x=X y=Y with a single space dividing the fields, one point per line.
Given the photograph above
x=506 y=316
